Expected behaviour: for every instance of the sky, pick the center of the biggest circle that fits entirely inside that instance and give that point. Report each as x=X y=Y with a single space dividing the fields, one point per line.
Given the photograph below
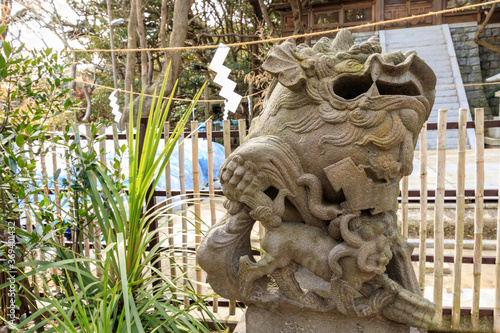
x=35 y=37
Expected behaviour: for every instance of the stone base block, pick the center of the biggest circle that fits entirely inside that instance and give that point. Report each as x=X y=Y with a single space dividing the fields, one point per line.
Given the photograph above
x=258 y=320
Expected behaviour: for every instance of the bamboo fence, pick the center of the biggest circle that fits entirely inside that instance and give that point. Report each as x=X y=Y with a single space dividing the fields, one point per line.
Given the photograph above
x=478 y=217
x=439 y=216
x=196 y=196
x=460 y=219
x=229 y=136
x=496 y=314
x=423 y=207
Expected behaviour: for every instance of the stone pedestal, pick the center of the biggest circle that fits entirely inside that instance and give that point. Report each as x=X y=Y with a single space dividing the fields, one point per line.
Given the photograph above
x=258 y=320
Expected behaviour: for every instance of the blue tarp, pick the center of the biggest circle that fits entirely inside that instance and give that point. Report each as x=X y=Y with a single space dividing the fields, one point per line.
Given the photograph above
x=218 y=159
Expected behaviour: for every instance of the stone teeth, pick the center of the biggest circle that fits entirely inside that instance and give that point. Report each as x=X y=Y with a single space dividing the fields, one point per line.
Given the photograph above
x=374 y=74
x=373 y=91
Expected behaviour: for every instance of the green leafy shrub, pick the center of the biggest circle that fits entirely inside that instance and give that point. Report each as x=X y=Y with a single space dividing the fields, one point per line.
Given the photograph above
x=119 y=289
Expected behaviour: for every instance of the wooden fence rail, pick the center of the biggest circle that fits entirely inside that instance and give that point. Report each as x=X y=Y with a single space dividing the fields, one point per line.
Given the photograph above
x=439 y=195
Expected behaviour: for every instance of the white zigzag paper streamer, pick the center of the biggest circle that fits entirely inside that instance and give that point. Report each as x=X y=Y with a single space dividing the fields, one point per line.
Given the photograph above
x=113 y=102
x=222 y=78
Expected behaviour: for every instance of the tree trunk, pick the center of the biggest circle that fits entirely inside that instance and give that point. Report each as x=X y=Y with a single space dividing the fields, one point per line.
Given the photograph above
x=257 y=9
x=130 y=62
x=177 y=38
x=297 y=19
x=143 y=43
x=163 y=23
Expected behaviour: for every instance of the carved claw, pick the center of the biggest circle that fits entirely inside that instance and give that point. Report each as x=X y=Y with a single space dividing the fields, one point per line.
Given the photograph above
x=240 y=177
x=287 y=284
x=389 y=284
x=243 y=182
x=290 y=288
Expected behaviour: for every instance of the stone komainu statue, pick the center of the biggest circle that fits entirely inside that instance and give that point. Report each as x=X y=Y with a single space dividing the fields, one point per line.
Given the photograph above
x=320 y=169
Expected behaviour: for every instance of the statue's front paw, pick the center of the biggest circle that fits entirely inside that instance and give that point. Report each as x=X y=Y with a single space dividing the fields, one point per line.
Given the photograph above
x=411 y=309
x=364 y=310
x=390 y=285
x=240 y=177
x=310 y=298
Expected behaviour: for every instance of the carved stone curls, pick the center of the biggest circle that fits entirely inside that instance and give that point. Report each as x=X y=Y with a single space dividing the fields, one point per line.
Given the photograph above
x=320 y=169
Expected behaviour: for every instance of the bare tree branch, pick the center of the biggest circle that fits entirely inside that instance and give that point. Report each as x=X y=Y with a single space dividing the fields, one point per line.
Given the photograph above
x=88 y=112
x=150 y=68
x=267 y=19
x=163 y=24
x=297 y=18
x=491 y=47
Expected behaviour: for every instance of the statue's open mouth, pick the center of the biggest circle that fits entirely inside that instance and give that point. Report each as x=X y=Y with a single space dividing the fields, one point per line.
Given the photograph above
x=350 y=87
x=385 y=77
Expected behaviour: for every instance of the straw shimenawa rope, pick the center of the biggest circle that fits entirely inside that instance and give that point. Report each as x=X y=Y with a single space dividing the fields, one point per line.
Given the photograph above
x=281 y=39
x=221 y=100
x=311 y=34
x=148 y=95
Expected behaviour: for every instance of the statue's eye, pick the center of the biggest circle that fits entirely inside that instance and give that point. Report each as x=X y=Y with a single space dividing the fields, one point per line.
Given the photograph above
x=351 y=63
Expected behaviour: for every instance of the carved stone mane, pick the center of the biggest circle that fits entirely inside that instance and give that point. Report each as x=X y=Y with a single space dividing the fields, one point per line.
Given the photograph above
x=321 y=169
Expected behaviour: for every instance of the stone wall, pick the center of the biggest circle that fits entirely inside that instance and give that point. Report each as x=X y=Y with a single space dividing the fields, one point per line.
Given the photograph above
x=468 y=57
x=490 y=63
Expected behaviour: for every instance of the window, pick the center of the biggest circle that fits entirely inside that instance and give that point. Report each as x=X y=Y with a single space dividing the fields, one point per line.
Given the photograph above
x=358 y=15
x=394 y=2
x=289 y=21
x=326 y=18
x=458 y=3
